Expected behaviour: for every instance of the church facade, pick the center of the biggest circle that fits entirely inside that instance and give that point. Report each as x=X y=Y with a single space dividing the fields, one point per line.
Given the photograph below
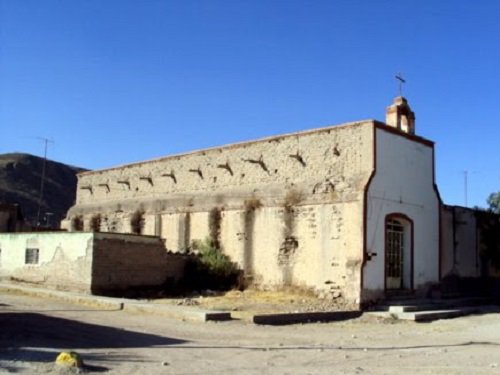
x=351 y=210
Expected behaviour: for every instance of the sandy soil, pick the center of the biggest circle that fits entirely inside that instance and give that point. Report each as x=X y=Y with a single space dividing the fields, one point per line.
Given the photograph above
x=33 y=331
x=244 y=304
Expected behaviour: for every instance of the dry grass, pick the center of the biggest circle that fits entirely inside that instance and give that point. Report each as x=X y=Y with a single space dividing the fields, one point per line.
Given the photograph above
x=244 y=304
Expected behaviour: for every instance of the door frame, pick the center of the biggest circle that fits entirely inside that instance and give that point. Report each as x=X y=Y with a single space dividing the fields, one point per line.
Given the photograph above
x=409 y=231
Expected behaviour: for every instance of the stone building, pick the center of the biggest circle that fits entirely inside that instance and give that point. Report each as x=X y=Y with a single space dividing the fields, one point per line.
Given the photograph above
x=351 y=209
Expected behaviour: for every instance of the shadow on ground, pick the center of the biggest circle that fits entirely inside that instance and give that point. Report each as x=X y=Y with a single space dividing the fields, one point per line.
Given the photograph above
x=37 y=337
x=307 y=317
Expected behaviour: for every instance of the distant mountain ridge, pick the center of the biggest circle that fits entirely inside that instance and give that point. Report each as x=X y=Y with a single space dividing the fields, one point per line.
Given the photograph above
x=20 y=179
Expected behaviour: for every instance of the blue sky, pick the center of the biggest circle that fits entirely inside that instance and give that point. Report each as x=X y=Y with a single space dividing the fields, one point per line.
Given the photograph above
x=118 y=81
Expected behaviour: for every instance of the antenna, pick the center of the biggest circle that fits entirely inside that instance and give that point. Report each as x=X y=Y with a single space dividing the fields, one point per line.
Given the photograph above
x=466 y=175
x=42 y=180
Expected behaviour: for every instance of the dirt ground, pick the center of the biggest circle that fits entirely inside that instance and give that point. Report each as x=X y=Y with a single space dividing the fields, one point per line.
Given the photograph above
x=34 y=330
x=244 y=304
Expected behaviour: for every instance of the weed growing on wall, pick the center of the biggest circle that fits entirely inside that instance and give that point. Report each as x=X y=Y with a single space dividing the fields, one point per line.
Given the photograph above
x=252 y=204
x=214 y=225
x=187 y=231
x=77 y=223
x=293 y=197
x=95 y=223
x=137 y=222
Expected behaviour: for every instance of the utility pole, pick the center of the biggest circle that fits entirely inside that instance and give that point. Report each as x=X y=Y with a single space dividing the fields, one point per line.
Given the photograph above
x=42 y=180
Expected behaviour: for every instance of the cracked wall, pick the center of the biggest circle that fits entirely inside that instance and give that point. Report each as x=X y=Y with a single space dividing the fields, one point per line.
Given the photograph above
x=64 y=259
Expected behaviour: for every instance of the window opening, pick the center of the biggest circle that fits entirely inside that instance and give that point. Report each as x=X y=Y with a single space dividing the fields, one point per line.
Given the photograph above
x=31 y=256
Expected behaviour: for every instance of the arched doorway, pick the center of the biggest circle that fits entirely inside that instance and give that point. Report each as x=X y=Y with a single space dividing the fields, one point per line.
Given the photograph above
x=398 y=252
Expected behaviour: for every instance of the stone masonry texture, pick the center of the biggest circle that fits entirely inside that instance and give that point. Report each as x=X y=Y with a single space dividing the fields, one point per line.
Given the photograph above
x=288 y=209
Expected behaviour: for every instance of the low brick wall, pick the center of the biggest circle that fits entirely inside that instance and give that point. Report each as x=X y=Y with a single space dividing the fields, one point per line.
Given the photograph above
x=122 y=262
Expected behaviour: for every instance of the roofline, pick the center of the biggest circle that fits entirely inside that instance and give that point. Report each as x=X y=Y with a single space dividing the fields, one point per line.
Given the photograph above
x=234 y=145
x=412 y=137
x=378 y=124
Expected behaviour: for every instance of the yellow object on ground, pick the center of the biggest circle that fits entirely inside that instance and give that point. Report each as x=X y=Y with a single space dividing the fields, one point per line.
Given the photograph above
x=69 y=359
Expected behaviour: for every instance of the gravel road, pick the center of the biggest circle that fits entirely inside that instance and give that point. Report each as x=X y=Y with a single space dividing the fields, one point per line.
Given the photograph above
x=34 y=330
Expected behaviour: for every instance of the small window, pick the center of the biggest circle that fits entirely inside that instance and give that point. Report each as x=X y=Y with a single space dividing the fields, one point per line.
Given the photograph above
x=31 y=256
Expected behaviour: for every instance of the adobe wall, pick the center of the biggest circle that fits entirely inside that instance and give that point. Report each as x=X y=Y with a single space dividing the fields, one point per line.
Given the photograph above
x=288 y=209
x=64 y=262
x=127 y=261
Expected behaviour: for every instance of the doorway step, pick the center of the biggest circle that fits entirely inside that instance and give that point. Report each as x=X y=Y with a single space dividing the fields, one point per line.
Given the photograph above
x=426 y=309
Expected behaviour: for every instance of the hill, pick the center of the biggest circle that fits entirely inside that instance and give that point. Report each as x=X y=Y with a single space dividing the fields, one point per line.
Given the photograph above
x=20 y=179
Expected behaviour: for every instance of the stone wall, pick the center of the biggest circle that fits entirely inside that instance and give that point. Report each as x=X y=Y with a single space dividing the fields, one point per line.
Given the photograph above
x=330 y=159
x=287 y=209
x=317 y=166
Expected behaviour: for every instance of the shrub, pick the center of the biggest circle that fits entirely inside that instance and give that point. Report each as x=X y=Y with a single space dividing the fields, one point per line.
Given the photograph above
x=209 y=268
x=489 y=227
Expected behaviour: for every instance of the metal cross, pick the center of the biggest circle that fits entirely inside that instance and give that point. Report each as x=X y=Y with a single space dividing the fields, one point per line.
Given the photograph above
x=401 y=80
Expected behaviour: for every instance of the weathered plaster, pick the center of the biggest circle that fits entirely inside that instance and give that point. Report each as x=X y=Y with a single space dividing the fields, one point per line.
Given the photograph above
x=64 y=259
x=289 y=208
